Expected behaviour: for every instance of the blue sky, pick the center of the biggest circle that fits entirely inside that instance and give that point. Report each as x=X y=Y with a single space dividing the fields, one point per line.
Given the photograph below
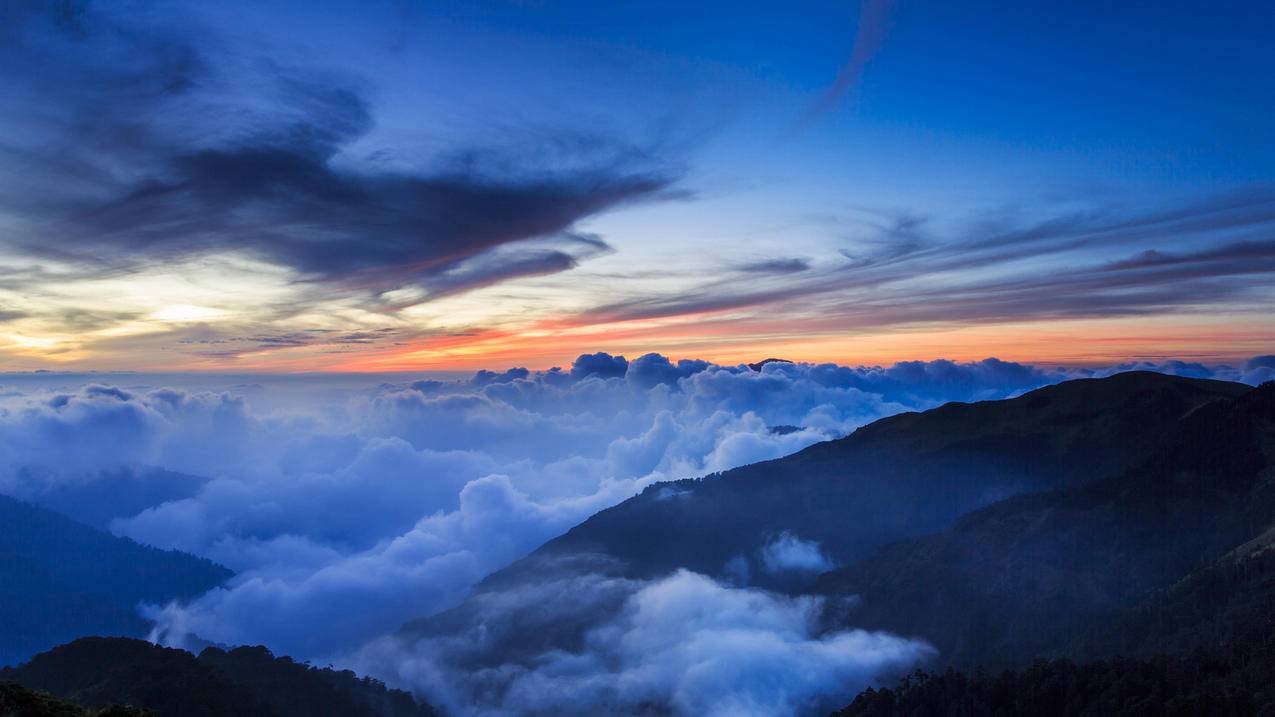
x=442 y=185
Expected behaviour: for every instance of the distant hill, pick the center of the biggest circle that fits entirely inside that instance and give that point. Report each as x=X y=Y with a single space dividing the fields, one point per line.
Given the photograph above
x=900 y=477
x=95 y=500
x=245 y=682
x=60 y=579
x=759 y=365
x=18 y=701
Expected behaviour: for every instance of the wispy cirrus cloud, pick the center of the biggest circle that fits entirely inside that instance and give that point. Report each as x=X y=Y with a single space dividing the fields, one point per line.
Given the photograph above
x=1207 y=253
x=869 y=36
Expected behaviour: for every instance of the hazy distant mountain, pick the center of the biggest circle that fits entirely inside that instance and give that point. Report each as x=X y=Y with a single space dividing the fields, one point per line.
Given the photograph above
x=116 y=493
x=60 y=579
x=899 y=477
x=245 y=682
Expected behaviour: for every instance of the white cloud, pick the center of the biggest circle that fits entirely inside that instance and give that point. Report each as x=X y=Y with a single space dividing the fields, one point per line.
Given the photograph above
x=788 y=553
x=683 y=643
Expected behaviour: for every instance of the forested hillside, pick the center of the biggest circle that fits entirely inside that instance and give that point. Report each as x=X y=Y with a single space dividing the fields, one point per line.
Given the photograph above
x=60 y=579
x=96 y=673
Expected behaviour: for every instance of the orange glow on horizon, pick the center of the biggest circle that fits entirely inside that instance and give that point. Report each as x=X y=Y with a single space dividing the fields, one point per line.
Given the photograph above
x=731 y=340
x=1062 y=343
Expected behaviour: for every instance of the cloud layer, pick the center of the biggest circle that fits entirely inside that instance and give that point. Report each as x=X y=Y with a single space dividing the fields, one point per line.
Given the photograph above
x=358 y=506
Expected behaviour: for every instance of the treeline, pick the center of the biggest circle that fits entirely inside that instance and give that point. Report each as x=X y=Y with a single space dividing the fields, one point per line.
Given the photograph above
x=1233 y=682
x=18 y=701
x=96 y=673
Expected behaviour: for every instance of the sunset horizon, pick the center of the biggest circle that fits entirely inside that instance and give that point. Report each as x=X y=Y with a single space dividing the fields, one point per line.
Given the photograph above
x=564 y=358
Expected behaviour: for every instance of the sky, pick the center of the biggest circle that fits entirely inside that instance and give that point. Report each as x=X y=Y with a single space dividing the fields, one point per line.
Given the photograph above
x=408 y=186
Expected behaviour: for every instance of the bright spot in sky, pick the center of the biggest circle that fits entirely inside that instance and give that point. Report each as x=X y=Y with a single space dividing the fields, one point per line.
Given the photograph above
x=186 y=313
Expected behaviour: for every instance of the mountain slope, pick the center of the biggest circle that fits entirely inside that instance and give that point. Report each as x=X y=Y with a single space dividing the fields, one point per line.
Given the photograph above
x=18 y=701
x=1179 y=685
x=1096 y=569
x=904 y=476
x=60 y=579
x=96 y=500
x=245 y=682
x=899 y=477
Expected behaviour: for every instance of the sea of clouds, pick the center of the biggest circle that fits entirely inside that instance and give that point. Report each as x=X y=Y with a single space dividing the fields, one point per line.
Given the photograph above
x=348 y=506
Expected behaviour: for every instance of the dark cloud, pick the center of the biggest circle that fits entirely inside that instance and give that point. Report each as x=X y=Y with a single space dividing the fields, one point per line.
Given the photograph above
x=651 y=369
x=236 y=346
x=159 y=151
x=487 y=378
x=776 y=266
x=365 y=337
x=601 y=365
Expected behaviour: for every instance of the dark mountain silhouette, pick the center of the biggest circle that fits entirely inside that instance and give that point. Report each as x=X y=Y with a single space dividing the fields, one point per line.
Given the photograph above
x=1199 y=683
x=60 y=579
x=245 y=682
x=760 y=364
x=18 y=701
x=900 y=477
x=1096 y=569
x=1204 y=646
x=1165 y=571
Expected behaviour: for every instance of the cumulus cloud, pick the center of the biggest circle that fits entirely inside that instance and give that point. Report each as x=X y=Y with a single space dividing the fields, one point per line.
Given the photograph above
x=788 y=553
x=359 y=505
x=1259 y=369
x=680 y=645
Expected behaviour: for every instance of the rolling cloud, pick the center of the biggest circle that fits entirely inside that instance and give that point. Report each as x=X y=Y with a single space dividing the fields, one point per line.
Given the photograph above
x=361 y=506
x=789 y=553
x=398 y=497
x=682 y=645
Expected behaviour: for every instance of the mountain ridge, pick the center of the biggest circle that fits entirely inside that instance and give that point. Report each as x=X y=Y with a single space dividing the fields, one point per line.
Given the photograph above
x=96 y=672
x=734 y=512
x=61 y=579
x=1018 y=579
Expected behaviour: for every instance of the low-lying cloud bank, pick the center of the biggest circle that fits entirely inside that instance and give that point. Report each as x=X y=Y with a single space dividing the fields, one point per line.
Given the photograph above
x=348 y=512
x=680 y=645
